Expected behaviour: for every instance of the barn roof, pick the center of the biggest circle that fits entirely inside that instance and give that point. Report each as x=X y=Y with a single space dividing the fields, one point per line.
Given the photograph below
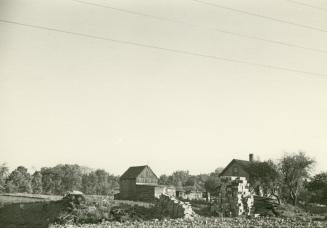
x=133 y=171
x=243 y=163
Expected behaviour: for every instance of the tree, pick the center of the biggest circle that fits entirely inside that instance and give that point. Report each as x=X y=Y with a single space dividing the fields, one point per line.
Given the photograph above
x=103 y=186
x=164 y=180
x=318 y=188
x=295 y=168
x=89 y=183
x=51 y=181
x=265 y=179
x=61 y=178
x=3 y=176
x=19 y=180
x=71 y=177
x=37 y=182
x=180 y=176
x=99 y=182
x=211 y=184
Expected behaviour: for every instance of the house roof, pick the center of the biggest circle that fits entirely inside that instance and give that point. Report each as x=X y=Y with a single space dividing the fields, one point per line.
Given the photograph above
x=243 y=163
x=133 y=172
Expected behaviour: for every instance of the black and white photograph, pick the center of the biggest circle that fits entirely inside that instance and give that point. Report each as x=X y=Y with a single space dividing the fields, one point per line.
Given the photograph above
x=163 y=113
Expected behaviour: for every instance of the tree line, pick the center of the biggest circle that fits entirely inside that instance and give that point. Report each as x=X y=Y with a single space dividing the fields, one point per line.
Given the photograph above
x=287 y=179
x=57 y=180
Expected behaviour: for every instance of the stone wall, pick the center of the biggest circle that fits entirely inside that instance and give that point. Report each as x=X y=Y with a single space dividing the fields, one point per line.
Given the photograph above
x=233 y=197
x=175 y=208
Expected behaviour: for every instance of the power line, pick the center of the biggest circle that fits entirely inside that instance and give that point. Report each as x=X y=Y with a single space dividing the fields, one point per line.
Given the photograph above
x=201 y=26
x=307 y=5
x=148 y=46
x=260 y=16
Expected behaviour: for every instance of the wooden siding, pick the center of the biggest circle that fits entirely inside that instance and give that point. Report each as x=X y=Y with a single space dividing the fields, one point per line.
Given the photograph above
x=145 y=192
x=127 y=189
x=147 y=177
x=235 y=170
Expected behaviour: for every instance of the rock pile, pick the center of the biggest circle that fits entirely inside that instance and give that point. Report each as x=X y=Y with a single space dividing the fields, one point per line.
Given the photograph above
x=175 y=208
x=233 y=197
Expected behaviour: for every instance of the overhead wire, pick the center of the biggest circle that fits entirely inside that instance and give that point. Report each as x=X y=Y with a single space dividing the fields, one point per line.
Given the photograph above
x=259 y=15
x=307 y=5
x=210 y=28
x=172 y=50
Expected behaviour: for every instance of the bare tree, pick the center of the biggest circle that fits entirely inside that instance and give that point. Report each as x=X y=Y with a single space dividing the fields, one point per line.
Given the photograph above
x=295 y=168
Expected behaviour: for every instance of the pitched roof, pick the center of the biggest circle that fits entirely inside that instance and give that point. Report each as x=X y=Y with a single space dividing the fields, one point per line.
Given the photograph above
x=243 y=163
x=133 y=171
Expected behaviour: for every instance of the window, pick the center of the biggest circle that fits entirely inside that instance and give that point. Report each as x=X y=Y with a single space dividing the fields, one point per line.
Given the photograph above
x=235 y=171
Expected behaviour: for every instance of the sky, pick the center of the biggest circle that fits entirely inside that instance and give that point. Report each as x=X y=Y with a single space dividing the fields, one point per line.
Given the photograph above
x=68 y=98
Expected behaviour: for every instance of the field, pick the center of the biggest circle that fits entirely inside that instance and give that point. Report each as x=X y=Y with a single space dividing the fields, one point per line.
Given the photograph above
x=6 y=199
x=207 y=223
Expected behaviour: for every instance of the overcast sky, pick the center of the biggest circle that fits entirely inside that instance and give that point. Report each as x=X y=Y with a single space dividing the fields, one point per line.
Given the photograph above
x=72 y=99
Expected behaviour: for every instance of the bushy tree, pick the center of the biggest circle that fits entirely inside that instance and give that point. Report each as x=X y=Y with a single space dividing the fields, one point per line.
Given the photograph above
x=295 y=168
x=318 y=188
x=89 y=183
x=19 y=180
x=4 y=171
x=99 y=182
x=51 y=181
x=180 y=176
x=164 y=180
x=211 y=184
x=71 y=177
x=265 y=179
x=61 y=178
x=37 y=182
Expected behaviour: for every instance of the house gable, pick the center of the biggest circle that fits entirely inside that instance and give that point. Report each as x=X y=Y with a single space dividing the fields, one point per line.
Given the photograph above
x=236 y=168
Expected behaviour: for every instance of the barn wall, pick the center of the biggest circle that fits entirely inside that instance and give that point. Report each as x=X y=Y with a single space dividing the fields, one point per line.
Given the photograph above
x=127 y=189
x=145 y=192
x=231 y=172
x=147 y=177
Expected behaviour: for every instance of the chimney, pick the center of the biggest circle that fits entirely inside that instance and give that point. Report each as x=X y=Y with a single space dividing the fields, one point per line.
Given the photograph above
x=251 y=157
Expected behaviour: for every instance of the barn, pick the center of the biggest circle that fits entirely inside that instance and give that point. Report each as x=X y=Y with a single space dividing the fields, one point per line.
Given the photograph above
x=139 y=183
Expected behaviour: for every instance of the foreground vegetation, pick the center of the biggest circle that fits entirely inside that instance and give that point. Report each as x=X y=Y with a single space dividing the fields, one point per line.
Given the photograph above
x=103 y=212
x=207 y=222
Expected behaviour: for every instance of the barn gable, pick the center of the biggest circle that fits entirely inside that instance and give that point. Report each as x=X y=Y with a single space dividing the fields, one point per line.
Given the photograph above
x=147 y=176
x=141 y=174
x=132 y=172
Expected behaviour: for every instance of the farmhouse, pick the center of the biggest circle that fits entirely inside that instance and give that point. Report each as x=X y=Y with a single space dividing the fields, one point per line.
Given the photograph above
x=238 y=168
x=141 y=183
